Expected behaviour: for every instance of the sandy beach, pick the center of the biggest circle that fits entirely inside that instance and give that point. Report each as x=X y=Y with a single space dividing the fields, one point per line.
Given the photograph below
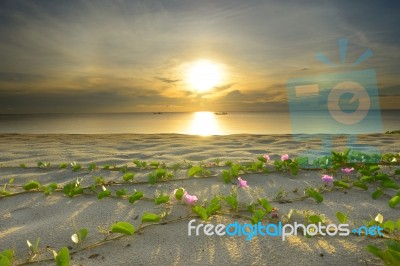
x=30 y=215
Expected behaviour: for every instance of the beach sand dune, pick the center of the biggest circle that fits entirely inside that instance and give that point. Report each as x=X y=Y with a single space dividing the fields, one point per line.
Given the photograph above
x=52 y=218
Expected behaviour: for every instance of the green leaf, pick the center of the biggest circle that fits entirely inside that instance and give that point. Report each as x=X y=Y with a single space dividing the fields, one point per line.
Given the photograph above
x=393 y=202
x=150 y=218
x=315 y=195
x=103 y=194
x=232 y=201
x=265 y=204
x=135 y=196
x=315 y=219
x=367 y=178
x=6 y=257
x=389 y=225
x=377 y=193
x=227 y=176
x=257 y=216
x=200 y=211
x=121 y=192
x=92 y=167
x=50 y=188
x=397 y=172
x=123 y=228
x=128 y=176
x=342 y=184
x=179 y=193
x=195 y=170
x=389 y=184
x=341 y=217
x=31 y=185
x=213 y=207
x=62 y=258
x=63 y=165
x=398 y=224
x=360 y=184
x=161 y=199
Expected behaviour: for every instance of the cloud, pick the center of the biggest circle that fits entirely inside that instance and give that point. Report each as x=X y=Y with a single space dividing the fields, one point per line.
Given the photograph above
x=167 y=80
x=20 y=77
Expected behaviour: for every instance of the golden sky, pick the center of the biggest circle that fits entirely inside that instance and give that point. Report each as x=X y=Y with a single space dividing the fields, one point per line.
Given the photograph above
x=128 y=56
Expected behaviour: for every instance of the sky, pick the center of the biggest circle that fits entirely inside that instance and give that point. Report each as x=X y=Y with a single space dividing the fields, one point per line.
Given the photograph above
x=134 y=56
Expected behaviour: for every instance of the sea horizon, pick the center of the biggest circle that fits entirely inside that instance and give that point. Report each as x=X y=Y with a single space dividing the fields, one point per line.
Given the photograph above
x=203 y=123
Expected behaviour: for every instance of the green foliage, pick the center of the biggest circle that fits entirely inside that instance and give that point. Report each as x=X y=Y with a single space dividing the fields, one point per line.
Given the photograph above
x=232 y=201
x=122 y=228
x=342 y=184
x=198 y=171
x=128 y=177
x=393 y=202
x=80 y=236
x=50 y=188
x=140 y=164
x=200 y=211
x=123 y=168
x=265 y=204
x=179 y=193
x=63 y=258
x=76 y=166
x=72 y=189
x=390 y=255
x=106 y=167
x=92 y=167
x=33 y=184
x=226 y=176
x=214 y=206
x=159 y=174
x=43 y=164
x=257 y=216
x=135 y=196
x=341 y=217
x=161 y=199
x=6 y=257
x=22 y=165
x=104 y=193
x=150 y=218
x=33 y=248
x=62 y=165
x=288 y=165
x=99 y=180
x=313 y=193
x=121 y=192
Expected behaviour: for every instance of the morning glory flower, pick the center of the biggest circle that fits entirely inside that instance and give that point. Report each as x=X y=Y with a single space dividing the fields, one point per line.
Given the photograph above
x=266 y=157
x=190 y=199
x=347 y=170
x=285 y=157
x=242 y=183
x=327 y=179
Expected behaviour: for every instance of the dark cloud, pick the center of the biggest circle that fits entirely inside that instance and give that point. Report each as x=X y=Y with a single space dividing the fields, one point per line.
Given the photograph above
x=167 y=80
x=20 y=77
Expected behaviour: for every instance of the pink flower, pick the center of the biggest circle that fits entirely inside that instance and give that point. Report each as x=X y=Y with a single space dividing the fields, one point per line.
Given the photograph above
x=266 y=157
x=190 y=199
x=242 y=183
x=284 y=157
x=327 y=179
x=347 y=170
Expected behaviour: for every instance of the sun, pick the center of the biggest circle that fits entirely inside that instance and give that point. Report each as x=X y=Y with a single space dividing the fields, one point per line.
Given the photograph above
x=203 y=75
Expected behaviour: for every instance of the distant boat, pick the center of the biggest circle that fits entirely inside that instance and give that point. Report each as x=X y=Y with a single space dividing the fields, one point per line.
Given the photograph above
x=157 y=113
x=220 y=113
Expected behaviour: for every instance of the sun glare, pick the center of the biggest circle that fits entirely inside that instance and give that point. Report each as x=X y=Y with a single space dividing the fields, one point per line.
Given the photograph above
x=203 y=75
x=204 y=124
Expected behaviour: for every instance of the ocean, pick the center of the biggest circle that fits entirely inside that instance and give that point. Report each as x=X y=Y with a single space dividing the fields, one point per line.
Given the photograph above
x=197 y=123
